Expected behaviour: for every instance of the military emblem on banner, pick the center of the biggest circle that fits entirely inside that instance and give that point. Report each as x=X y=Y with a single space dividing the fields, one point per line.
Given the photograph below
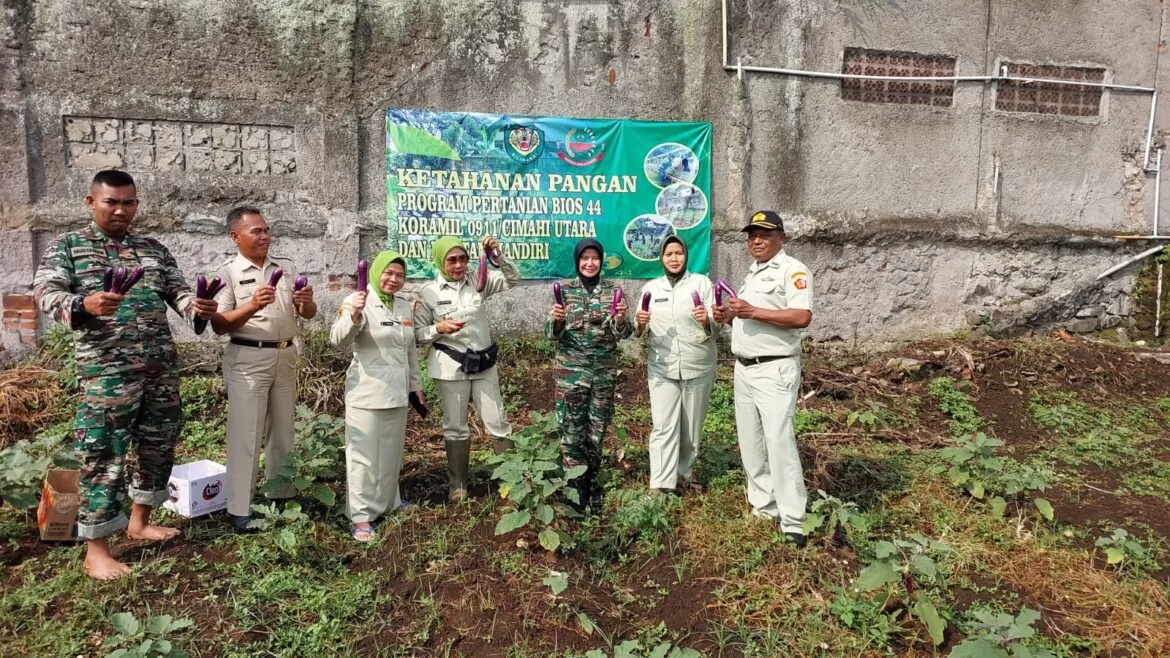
x=581 y=148
x=524 y=144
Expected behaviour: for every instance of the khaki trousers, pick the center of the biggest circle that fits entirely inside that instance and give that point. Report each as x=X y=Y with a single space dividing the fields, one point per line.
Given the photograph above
x=765 y=403
x=454 y=395
x=677 y=408
x=262 y=395
x=373 y=460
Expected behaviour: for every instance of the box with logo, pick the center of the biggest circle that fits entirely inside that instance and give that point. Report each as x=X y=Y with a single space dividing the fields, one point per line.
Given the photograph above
x=197 y=488
x=57 y=510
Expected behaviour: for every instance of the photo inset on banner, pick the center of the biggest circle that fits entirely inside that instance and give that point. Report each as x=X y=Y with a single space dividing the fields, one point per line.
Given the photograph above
x=644 y=236
x=683 y=204
x=670 y=163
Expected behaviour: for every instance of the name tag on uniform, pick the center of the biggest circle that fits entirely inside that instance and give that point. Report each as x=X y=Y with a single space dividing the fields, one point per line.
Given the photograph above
x=390 y=323
x=247 y=281
x=87 y=252
x=661 y=299
x=443 y=302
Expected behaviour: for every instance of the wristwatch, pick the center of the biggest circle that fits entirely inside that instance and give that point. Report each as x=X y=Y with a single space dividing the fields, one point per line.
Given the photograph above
x=77 y=313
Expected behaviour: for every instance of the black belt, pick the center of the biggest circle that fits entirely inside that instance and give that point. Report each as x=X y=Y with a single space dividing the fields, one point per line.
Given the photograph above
x=277 y=344
x=762 y=359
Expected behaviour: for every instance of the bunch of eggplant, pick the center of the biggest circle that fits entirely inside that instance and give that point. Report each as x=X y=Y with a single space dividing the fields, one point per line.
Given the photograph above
x=120 y=280
x=205 y=289
x=721 y=289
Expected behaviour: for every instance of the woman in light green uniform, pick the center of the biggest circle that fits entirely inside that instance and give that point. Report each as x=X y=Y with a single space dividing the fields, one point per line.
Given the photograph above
x=680 y=364
x=451 y=319
x=382 y=377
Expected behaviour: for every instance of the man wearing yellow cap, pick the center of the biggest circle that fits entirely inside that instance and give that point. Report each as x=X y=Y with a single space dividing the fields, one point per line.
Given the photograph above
x=773 y=305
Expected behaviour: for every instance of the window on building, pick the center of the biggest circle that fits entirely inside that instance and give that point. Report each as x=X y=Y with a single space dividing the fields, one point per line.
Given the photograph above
x=859 y=61
x=1050 y=97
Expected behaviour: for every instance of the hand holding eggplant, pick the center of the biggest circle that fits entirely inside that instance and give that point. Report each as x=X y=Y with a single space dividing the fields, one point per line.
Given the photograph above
x=102 y=303
x=642 y=317
x=302 y=291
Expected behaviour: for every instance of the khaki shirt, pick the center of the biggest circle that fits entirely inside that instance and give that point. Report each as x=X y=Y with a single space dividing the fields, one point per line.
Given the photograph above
x=781 y=283
x=278 y=320
x=678 y=347
x=384 y=369
x=458 y=301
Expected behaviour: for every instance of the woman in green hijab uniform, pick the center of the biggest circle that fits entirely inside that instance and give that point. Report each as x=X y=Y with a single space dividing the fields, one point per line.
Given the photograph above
x=379 y=384
x=451 y=319
x=680 y=364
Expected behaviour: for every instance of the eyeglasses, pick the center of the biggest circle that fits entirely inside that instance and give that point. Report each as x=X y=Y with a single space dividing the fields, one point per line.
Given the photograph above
x=453 y=260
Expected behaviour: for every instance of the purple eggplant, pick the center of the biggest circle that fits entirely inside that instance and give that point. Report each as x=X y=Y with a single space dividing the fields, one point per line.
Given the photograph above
x=300 y=282
x=363 y=275
x=558 y=295
x=274 y=278
x=493 y=257
x=481 y=275
x=108 y=280
x=721 y=288
x=695 y=299
x=119 y=277
x=214 y=286
x=130 y=280
x=200 y=325
x=617 y=299
x=646 y=301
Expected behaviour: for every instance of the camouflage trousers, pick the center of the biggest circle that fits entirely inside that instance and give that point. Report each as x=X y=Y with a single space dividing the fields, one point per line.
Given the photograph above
x=126 y=424
x=584 y=409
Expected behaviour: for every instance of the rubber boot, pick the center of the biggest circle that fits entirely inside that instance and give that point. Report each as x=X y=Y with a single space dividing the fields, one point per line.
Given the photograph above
x=582 y=485
x=501 y=445
x=458 y=464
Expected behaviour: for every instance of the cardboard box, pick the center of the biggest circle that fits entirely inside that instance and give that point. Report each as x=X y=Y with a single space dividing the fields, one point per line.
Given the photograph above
x=197 y=488
x=57 y=511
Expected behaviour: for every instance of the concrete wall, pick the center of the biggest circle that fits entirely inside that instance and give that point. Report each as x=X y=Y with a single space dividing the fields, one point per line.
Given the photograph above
x=915 y=220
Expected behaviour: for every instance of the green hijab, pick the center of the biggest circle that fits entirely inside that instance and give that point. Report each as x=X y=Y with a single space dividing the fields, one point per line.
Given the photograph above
x=381 y=262
x=439 y=252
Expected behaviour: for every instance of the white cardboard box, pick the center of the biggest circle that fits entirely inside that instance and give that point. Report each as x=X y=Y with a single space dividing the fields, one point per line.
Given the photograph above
x=197 y=488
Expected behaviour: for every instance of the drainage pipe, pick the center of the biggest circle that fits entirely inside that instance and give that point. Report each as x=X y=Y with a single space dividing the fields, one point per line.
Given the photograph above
x=1158 y=306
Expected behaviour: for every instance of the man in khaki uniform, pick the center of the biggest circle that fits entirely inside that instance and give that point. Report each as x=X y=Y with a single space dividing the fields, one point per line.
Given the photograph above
x=259 y=362
x=773 y=305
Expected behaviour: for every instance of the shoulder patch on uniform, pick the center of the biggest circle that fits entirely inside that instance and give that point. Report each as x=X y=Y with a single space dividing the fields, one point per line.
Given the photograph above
x=796 y=274
x=801 y=283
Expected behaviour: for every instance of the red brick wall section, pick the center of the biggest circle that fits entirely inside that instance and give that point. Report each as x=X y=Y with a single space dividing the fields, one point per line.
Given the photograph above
x=337 y=282
x=20 y=315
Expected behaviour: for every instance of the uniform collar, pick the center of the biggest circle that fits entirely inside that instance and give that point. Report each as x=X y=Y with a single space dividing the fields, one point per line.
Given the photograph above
x=92 y=232
x=241 y=264
x=775 y=262
x=454 y=285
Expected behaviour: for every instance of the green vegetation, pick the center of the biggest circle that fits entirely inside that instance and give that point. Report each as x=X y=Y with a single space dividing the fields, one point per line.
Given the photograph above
x=926 y=536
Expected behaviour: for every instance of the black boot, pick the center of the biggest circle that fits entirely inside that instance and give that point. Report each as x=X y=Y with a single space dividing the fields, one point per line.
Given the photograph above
x=458 y=464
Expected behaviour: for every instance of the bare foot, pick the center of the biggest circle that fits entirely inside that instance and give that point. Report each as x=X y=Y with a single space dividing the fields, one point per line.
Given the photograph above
x=152 y=533
x=101 y=566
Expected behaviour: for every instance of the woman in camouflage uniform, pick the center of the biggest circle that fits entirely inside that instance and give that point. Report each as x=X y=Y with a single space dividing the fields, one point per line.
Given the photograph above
x=586 y=334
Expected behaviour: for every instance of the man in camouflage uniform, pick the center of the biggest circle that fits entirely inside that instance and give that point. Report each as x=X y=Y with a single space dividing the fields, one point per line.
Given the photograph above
x=129 y=416
x=586 y=370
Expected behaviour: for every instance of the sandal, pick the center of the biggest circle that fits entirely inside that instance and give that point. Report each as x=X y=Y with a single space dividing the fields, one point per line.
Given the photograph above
x=363 y=534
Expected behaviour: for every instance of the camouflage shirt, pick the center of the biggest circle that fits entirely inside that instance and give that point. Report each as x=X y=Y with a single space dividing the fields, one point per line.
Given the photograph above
x=590 y=334
x=137 y=337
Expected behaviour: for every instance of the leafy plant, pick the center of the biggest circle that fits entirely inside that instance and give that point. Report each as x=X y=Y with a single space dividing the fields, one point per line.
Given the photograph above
x=316 y=459
x=24 y=464
x=532 y=480
x=287 y=522
x=956 y=405
x=644 y=516
x=1163 y=405
x=631 y=648
x=868 y=617
x=154 y=638
x=1124 y=551
x=971 y=464
x=1000 y=635
x=898 y=573
x=876 y=415
x=809 y=421
x=830 y=512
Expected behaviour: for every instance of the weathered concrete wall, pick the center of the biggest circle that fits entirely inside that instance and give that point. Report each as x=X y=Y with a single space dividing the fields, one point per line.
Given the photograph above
x=915 y=220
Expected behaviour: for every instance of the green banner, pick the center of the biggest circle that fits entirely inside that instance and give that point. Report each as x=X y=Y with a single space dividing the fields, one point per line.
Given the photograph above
x=540 y=184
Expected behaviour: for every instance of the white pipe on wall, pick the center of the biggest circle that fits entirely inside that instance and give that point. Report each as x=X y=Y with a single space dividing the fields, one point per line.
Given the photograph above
x=1157 y=195
x=1158 y=306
